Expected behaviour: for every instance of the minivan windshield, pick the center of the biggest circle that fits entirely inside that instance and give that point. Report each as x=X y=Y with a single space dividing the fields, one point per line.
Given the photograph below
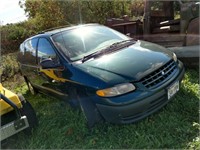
x=85 y=40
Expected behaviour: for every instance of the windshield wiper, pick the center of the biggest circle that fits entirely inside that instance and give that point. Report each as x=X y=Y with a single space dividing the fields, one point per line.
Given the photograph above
x=95 y=54
x=124 y=42
x=110 y=48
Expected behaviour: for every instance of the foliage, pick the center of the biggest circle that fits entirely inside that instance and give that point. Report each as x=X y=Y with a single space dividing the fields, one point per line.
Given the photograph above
x=45 y=14
x=173 y=127
x=9 y=66
x=11 y=36
x=137 y=8
x=99 y=11
x=53 y=13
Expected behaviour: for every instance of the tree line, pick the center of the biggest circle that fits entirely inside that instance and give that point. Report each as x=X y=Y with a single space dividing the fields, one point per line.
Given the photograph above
x=45 y=14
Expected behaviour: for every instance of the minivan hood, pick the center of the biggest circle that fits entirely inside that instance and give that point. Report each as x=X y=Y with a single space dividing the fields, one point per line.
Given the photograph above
x=128 y=64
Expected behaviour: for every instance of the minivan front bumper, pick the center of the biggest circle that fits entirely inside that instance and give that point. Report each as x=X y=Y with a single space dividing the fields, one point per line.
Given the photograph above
x=139 y=109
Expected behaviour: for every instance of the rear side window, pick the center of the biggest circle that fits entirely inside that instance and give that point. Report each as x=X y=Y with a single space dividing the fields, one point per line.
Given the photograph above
x=30 y=51
x=45 y=50
x=20 y=56
x=22 y=48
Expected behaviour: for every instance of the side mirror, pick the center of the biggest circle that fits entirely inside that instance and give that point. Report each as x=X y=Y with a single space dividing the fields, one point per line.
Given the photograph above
x=48 y=63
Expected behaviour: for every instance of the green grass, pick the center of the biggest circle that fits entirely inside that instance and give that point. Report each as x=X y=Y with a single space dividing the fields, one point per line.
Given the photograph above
x=61 y=127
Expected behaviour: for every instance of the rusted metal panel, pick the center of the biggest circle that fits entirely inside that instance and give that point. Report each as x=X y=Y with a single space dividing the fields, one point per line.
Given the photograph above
x=166 y=40
x=166 y=37
x=168 y=22
x=189 y=55
x=147 y=18
x=166 y=29
x=133 y=28
x=193 y=37
x=187 y=14
x=171 y=44
x=156 y=12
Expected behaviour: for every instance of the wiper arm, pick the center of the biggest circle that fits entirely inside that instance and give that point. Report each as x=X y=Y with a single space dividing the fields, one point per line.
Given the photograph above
x=129 y=41
x=112 y=47
x=119 y=45
x=85 y=58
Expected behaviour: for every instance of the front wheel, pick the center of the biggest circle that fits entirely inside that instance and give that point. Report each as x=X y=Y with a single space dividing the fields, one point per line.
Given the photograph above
x=88 y=107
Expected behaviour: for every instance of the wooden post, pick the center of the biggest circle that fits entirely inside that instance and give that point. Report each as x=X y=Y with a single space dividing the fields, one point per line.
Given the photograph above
x=147 y=15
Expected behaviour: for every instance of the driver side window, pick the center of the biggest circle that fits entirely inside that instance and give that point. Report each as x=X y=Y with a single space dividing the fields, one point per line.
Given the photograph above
x=45 y=50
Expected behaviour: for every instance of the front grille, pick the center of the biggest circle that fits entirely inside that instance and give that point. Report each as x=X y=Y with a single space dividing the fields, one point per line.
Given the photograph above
x=159 y=75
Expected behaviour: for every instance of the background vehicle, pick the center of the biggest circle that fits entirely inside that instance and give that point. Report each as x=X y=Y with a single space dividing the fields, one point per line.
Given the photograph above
x=162 y=26
x=108 y=74
x=17 y=114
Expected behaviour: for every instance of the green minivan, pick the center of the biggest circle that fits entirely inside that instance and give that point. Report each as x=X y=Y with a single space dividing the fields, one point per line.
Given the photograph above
x=109 y=75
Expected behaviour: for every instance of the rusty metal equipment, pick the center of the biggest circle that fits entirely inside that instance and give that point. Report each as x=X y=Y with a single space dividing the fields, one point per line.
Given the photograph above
x=160 y=25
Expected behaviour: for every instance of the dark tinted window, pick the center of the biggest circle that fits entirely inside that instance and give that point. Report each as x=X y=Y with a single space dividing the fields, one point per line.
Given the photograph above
x=45 y=50
x=30 y=51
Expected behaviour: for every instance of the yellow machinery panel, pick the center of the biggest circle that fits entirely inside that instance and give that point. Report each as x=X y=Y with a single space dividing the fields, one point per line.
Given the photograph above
x=4 y=107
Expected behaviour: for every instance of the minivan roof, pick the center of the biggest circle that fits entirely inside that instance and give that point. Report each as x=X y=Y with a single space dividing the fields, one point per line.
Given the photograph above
x=52 y=31
x=57 y=30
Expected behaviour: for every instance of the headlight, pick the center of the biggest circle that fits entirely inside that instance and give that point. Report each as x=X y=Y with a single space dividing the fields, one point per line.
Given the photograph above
x=174 y=57
x=116 y=90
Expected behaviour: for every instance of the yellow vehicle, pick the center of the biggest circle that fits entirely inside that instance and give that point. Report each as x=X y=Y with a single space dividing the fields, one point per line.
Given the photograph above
x=17 y=114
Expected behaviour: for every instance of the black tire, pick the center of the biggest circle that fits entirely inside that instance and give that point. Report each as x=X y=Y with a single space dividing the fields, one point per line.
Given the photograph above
x=32 y=90
x=28 y=111
x=89 y=109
